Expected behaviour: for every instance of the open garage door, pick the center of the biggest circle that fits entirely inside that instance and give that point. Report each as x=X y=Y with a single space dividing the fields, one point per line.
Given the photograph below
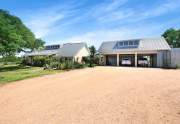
x=147 y=60
x=111 y=60
x=127 y=60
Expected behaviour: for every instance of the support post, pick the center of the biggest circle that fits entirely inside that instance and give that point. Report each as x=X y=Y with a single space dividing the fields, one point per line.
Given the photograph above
x=136 y=60
x=117 y=59
x=104 y=56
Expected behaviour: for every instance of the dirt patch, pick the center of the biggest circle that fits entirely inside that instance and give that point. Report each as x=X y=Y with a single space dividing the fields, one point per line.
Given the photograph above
x=101 y=95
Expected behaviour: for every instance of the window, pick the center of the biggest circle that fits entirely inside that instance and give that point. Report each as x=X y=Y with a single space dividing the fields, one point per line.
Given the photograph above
x=136 y=42
x=130 y=42
x=52 y=47
x=121 y=43
x=126 y=44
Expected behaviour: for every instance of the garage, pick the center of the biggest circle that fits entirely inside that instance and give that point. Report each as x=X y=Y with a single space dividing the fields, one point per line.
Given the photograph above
x=148 y=52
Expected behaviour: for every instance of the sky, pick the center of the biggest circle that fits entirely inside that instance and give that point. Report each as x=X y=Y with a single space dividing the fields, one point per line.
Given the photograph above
x=95 y=21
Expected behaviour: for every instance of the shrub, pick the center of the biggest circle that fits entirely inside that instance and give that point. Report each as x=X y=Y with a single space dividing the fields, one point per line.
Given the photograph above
x=62 y=66
x=69 y=65
x=86 y=60
x=66 y=65
x=39 y=61
x=54 y=65
x=177 y=66
x=11 y=60
x=91 y=61
x=78 y=65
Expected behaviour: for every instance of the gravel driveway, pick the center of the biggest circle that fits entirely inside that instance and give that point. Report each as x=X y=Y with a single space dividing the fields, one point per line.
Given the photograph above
x=101 y=95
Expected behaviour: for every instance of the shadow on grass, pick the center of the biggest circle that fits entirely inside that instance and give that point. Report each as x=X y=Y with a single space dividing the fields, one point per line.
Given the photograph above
x=12 y=68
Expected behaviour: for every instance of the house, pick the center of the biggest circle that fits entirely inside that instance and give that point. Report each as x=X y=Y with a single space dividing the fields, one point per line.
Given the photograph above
x=152 y=52
x=73 y=51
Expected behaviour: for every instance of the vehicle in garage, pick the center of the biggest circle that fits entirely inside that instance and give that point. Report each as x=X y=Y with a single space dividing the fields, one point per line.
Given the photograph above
x=126 y=61
x=143 y=62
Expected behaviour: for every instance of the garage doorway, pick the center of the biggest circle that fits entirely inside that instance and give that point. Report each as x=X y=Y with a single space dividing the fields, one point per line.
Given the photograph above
x=130 y=58
x=111 y=60
x=147 y=60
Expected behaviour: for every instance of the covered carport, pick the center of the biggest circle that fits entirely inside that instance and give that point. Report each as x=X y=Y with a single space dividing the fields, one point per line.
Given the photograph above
x=151 y=51
x=136 y=57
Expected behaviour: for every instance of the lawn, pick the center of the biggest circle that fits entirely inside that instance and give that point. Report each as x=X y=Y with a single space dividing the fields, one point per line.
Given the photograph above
x=13 y=72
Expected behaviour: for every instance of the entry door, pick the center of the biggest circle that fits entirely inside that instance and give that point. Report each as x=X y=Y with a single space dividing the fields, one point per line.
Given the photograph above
x=111 y=60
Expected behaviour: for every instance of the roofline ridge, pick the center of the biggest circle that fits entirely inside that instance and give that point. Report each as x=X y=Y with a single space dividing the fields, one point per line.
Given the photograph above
x=131 y=39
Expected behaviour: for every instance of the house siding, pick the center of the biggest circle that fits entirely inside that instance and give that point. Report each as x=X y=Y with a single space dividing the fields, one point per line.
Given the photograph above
x=175 y=57
x=83 y=52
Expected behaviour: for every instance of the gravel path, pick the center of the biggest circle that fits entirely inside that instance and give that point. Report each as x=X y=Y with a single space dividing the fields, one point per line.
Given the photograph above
x=102 y=95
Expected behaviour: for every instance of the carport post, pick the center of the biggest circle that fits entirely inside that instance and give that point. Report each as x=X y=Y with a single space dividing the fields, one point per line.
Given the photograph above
x=117 y=59
x=135 y=59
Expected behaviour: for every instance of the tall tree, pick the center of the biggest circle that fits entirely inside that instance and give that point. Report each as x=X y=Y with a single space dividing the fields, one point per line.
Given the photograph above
x=36 y=44
x=92 y=55
x=15 y=36
x=172 y=36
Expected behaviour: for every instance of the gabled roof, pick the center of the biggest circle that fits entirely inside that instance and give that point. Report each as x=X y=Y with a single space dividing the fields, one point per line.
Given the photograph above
x=42 y=53
x=71 y=49
x=66 y=50
x=147 y=44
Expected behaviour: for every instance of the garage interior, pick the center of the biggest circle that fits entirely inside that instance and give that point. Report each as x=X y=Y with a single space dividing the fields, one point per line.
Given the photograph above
x=131 y=57
x=113 y=60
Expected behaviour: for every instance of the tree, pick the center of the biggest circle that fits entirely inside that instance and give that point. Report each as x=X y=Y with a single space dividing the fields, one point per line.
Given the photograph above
x=15 y=36
x=92 y=55
x=37 y=44
x=172 y=36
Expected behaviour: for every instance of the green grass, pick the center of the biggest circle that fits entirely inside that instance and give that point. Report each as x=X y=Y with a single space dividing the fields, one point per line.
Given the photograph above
x=9 y=73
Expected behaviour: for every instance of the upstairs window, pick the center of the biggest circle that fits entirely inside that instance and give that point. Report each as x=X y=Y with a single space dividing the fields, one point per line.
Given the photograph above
x=126 y=44
x=52 y=47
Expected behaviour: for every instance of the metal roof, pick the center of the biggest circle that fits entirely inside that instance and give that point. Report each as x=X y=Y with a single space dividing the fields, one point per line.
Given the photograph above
x=42 y=53
x=146 y=44
x=67 y=50
x=71 y=49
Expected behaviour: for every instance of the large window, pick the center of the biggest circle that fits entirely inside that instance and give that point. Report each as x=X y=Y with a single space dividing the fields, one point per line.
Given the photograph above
x=52 y=47
x=126 y=44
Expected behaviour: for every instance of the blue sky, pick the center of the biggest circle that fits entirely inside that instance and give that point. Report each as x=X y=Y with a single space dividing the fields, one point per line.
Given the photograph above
x=94 y=21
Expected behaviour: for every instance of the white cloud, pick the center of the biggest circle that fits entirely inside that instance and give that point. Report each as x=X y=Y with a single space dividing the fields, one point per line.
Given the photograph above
x=113 y=11
x=41 y=25
x=164 y=8
x=116 y=15
x=106 y=8
x=109 y=6
x=96 y=37
x=46 y=20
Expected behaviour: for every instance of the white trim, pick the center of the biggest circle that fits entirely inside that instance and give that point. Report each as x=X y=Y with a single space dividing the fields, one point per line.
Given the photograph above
x=117 y=59
x=138 y=52
x=136 y=60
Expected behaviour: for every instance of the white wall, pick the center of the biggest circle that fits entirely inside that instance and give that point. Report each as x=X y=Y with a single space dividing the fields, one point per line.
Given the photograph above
x=82 y=53
x=175 y=57
x=163 y=59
